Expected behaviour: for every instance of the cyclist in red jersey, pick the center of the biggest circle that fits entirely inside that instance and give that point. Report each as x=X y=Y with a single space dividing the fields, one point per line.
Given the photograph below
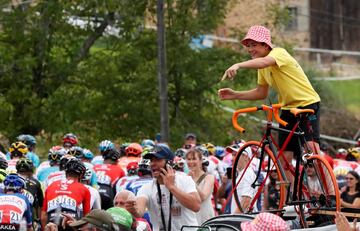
x=67 y=195
x=107 y=176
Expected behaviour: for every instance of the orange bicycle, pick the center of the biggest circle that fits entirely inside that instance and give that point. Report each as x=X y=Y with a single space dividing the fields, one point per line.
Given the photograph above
x=316 y=190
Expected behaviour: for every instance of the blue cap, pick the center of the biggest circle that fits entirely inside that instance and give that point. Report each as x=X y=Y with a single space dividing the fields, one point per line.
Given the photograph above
x=160 y=151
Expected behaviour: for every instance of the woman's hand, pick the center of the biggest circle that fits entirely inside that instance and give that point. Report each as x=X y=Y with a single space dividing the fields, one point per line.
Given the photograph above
x=227 y=93
x=231 y=72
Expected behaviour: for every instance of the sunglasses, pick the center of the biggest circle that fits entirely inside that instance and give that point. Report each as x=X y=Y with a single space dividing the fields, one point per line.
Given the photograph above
x=349 y=178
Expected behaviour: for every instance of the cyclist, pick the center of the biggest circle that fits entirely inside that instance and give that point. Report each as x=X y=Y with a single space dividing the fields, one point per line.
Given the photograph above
x=279 y=70
x=30 y=142
x=132 y=154
x=14 y=206
x=95 y=202
x=67 y=195
x=3 y=173
x=107 y=175
x=33 y=191
x=60 y=173
x=54 y=155
x=147 y=143
x=69 y=140
x=132 y=174
x=78 y=152
x=88 y=156
x=144 y=177
x=17 y=150
x=103 y=147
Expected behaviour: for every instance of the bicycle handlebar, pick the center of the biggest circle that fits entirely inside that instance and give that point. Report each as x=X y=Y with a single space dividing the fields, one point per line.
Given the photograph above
x=274 y=108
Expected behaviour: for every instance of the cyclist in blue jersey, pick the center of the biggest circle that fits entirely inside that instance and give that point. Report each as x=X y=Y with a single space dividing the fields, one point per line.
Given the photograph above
x=54 y=156
x=30 y=142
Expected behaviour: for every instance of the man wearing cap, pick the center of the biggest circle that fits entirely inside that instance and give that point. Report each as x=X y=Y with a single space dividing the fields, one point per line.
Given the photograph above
x=171 y=198
x=97 y=219
x=279 y=70
x=190 y=140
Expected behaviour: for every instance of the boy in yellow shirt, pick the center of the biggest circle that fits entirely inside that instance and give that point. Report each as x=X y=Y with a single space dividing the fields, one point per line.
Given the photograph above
x=279 y=70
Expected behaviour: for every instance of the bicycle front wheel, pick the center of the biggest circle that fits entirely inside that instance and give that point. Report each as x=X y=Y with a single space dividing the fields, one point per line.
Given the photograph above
x=241 y=179
x=318 y=193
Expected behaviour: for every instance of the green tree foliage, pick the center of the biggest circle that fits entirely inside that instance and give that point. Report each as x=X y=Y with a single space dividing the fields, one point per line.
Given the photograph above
x=58 y=77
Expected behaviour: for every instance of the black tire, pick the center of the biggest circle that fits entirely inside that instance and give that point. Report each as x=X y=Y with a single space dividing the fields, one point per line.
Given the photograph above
x=255 y=145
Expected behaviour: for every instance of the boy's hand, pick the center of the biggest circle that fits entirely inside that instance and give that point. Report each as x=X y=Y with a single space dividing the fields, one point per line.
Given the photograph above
x=226 y=93
x=230 y=73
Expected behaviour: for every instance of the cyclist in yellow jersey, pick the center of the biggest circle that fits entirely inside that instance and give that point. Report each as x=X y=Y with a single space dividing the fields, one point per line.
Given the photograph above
x=279 y=70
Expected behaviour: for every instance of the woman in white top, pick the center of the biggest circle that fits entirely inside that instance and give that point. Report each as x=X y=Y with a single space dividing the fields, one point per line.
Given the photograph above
x=204 y=184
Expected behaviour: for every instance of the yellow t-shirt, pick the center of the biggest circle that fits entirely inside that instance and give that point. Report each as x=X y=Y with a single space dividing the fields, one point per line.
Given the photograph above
x=289 y=80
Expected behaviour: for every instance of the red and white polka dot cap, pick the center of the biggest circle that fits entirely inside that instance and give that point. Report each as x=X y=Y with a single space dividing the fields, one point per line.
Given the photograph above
x=265 y=222
x=259 y=34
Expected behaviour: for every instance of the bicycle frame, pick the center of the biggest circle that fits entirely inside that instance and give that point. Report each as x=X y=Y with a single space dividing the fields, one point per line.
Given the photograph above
x=268 y=140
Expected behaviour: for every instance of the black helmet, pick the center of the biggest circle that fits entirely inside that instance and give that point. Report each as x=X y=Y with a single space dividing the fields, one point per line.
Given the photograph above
x=64 y=160
x=75 y=166
x=24 y=165
x=55 y=154
x=112 y=154
x=3 y=163
x=76 y=151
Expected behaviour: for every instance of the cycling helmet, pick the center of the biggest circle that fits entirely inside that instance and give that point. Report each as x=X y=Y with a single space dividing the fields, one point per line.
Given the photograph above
x=353 y=154
x=88 y=174
x=87 y=154
x=147 y=142
x=29 y=140
x=3 y=174
x=204 y=151
x=76 y=151
x=112 y=154
x=3 y=163
x=210 y=147
x=18 y=149
x=181 y=152
x=144 y=167
x=133 y=149
x=70 y=140
x=106 y=145
x=122 y=148
x=179 y=163
x=24 y=165
x=132 y=168
x=219 y=151
x=55 y=154
x=205 y=161
x=147 y=150
x=75 y=166
x=14 y=182
x=63 y=161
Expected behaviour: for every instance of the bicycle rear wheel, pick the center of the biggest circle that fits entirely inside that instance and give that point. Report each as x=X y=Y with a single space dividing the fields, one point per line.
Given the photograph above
x=318 y=193
x=239 y=180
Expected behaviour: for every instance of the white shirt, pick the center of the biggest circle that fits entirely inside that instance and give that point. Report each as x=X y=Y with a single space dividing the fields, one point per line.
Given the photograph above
x=244 y=188
x=179 y=214
x=95 y=199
